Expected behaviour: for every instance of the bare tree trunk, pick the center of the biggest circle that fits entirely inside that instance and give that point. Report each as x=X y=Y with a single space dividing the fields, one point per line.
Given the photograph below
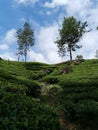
x=18 y=58
x=25 y=58
x=70 y=51
x=25 y=54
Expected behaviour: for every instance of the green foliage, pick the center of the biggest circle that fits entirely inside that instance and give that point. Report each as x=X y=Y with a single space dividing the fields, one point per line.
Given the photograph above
x=51 y=79
x=36 y=75
x=80 y=103
x=70 y=34
x=34 y=90
x=20 y=112
x=15 y=78
x=79 y=57
x=35 y=66
x=77 y=91
x=25 y=38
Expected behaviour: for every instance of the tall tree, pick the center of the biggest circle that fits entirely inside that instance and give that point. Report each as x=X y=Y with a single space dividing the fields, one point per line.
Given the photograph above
x=25 y=39
x=69 y=35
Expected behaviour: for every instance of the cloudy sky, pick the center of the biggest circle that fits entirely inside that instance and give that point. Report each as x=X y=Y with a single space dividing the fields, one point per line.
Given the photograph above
x=45 y=17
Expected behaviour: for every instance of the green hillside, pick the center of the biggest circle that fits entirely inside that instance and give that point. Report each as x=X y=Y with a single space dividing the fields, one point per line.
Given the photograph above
x=71 y=90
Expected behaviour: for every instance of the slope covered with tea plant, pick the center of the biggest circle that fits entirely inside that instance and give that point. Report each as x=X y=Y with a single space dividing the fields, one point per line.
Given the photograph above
x=71 y=89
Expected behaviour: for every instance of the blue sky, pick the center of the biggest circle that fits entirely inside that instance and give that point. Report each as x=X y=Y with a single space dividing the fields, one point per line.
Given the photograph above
x=45 y=17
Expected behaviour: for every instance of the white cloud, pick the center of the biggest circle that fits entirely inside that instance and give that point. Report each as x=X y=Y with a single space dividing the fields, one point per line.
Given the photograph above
x=7 y=43
x=78 y=7
x=83 y=10
x=90 y=45
x=8 y=56
x=10 y=37
x=55 y=3
x=46 y=38
x=4 y=47
x=38 y=57
x=92 y=17
x=25 y=2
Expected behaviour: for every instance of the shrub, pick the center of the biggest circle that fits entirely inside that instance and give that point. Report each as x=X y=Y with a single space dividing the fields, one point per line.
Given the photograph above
x=33 y=90
x=37 y=75
x=51 y=79
x=19 y=112
x=86 y=113
x=48 y=70
x=53 y=90
x=79 y=57
x=66 y=70
x=80 y=103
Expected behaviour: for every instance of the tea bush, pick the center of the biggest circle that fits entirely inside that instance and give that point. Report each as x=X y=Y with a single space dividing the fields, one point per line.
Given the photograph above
x=19 y=112
x=80 y=103
x=51 y=79
x=33 y=90
x=36 y=75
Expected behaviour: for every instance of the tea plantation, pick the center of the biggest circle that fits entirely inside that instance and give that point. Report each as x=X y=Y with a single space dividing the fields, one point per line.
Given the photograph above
x=37 y=96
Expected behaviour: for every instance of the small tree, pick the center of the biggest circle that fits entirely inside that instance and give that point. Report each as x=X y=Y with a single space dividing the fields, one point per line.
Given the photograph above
x=25 y=38
x=79 y=57
x=70 y=34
